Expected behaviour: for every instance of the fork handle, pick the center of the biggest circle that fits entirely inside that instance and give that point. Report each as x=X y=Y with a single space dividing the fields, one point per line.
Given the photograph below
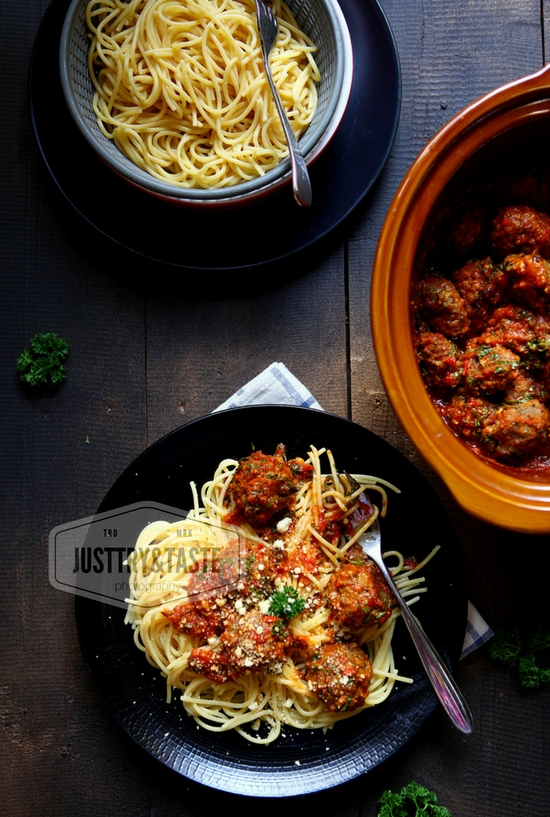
x=441 y=679
x=301 y=184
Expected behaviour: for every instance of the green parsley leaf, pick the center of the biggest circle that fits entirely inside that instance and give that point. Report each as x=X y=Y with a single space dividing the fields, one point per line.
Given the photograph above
x=42 y=361
x=286 y=603
x=520 y=648
x=412 y=801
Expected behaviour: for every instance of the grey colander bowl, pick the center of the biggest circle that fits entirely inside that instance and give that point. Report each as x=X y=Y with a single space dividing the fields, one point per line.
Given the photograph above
x=322 y=20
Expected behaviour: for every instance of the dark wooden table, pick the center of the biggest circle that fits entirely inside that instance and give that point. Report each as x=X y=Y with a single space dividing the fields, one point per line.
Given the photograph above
x=152 y=349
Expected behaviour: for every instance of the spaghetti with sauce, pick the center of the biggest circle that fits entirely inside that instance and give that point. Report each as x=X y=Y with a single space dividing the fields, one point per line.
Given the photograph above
x=260 y=607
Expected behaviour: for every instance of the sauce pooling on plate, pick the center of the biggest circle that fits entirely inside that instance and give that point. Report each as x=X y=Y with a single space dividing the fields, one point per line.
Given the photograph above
x=481 y=310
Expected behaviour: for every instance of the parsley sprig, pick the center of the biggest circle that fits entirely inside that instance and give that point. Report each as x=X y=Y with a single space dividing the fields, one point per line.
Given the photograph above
x=412 y=801
x=523 y=648
x=286 y=603
x=42 y=360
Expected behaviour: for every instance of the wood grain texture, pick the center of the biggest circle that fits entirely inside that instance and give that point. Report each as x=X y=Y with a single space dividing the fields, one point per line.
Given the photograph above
x=218 y=345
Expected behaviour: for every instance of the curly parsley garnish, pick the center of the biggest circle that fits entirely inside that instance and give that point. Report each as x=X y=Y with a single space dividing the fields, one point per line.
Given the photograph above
x=42 y=361
x=524 y=648
x=414 y=800
x=286 y=603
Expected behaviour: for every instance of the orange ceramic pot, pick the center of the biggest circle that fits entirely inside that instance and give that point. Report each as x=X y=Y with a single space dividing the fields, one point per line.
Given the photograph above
x=507 y=122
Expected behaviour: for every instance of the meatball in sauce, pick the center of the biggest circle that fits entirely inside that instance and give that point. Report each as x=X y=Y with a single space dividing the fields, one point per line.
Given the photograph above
x=340 y=675
x=521 y=229
x=481 y=311
x=358 y=596
x=264 y=485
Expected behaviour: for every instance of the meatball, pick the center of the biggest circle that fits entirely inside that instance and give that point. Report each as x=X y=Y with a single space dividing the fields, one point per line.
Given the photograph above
x=481 y=284
x=340 y=676
x=530 y=275
x=440 y=360
x=251 y=642
x=262 y=485
x=526 y=388
x=209 y=589
x=519 y=329
x=243 y=573
x=227 y=573
x=466 y=415
x=518 y=228
x=358 y=596
x=517 y=429
x=443 y=307
x=249 y=568
x=489 y=369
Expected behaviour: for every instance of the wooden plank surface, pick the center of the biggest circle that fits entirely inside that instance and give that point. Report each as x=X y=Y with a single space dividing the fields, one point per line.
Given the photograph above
x=144 y=360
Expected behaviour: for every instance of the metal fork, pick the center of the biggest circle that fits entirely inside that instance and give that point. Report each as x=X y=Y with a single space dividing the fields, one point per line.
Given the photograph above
x=269 y=28
x=441 y=679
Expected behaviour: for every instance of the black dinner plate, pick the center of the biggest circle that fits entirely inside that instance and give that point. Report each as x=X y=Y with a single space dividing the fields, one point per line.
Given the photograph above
x=179 y=236
x=301 y=761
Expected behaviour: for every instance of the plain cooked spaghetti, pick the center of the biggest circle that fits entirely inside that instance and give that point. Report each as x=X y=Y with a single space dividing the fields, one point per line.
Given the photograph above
x=298 y=553
x=181 y=89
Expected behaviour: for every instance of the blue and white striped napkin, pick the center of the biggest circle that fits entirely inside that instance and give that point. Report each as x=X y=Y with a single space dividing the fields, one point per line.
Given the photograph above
x=276 y=385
